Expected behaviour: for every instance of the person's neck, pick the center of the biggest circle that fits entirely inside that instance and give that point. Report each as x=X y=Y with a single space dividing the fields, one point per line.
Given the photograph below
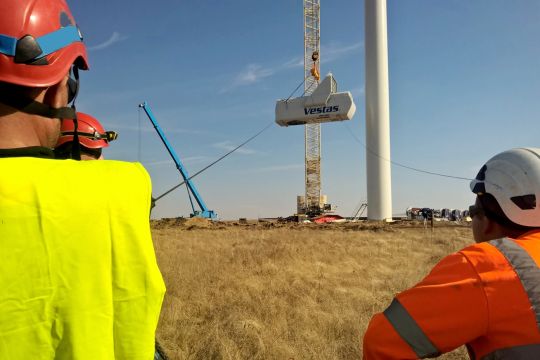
x=19 y=130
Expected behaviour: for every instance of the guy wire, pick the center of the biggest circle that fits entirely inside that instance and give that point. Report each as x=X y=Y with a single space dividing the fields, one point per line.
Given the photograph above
x=215 y=161
x=401 y=165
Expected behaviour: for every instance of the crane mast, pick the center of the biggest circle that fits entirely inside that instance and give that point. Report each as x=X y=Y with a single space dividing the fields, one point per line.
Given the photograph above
x=312 y=133
x=320 y=103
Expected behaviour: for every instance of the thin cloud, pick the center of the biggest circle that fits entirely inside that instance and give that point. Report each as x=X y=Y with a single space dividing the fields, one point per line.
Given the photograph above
x=278 y=168
x=159 y=163
x=115 y=38
x=333 y=52
x=186 y=161
x=294 y=62
x=253 y=73
x=146 y=129
x=196 y=160
x=358 y=91
x=228 y=146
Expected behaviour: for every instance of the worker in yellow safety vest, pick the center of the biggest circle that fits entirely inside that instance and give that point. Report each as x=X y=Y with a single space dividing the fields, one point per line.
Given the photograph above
x=78 y=276
x=486 y=296
x=92 y=139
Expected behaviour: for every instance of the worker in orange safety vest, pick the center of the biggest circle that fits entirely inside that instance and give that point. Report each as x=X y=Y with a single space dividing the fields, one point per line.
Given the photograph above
x=486 y=296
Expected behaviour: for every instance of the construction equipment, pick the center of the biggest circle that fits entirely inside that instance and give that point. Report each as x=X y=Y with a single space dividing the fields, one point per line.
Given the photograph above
x=203 y=212
x=319 y=103
x=359 y=211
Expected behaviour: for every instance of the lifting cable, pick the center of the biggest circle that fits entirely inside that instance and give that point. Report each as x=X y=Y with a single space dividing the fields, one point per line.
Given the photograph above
x=309 y=88
x=298 y=87
x=215 y=161
x=314 y=72
x=401 y=165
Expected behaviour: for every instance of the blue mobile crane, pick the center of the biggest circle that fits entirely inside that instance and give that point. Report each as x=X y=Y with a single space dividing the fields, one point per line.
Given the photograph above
x=203 y=212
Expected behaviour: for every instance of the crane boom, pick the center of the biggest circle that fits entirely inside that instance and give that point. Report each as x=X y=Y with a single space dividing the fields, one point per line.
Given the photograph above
x=204 y=212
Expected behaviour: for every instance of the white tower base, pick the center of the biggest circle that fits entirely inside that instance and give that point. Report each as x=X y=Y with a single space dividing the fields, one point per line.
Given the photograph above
x=379 y=184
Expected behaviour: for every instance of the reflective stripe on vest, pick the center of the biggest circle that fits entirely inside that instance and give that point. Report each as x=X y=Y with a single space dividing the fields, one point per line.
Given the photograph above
x=524 y=352
x=526 y=270
x=409 y=330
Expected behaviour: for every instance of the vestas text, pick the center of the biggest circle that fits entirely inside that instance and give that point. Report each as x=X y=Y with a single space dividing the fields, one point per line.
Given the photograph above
x=321 y=110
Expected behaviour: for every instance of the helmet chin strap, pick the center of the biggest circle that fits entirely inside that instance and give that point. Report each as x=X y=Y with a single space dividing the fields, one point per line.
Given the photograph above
x=33 y=107
x=76 y=147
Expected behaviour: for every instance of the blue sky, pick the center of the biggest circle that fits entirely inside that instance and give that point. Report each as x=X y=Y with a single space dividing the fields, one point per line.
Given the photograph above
x=464 y=85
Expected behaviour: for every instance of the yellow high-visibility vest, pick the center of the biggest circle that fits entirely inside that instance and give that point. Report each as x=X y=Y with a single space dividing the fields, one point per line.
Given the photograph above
x=78 y=273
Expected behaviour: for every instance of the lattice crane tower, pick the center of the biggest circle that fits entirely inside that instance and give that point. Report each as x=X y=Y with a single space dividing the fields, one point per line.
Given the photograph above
x=320 y=103
x=313 y=203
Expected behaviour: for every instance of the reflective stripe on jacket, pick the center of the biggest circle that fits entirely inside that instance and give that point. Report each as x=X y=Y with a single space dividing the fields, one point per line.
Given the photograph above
x=78 y=275
x=486 y=296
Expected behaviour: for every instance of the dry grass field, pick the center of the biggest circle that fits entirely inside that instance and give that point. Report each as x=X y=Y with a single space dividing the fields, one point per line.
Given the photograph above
x=286 y=291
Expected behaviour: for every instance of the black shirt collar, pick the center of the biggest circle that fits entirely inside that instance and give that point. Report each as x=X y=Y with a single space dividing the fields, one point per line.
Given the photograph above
x=32 y=151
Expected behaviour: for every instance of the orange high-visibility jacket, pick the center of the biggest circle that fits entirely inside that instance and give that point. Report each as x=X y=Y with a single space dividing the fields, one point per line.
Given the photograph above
x=486 y=296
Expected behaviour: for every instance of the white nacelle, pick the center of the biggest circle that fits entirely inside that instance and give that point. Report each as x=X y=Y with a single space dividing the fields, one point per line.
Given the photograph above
x=323 y=105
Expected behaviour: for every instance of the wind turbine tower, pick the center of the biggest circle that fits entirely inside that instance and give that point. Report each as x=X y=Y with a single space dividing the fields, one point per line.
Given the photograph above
x=379 y=184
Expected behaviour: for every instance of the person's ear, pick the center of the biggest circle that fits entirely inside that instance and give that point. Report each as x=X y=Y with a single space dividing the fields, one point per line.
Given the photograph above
x=56 y=96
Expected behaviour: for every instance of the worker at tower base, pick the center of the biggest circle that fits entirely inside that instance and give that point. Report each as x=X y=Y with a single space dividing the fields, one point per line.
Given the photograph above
x=486 y=296
x=78 y=275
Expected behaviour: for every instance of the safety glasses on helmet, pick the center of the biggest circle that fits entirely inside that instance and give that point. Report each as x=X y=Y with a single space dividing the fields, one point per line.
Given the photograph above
x=475 y=210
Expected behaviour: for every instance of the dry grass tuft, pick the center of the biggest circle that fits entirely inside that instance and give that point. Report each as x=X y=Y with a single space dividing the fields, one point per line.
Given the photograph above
x=286 y=291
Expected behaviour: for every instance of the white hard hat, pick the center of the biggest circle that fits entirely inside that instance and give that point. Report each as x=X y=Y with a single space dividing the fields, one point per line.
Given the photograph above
x=513 y=178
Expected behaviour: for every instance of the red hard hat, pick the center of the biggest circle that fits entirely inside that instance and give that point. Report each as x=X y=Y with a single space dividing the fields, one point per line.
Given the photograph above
x=39 y=41
x=90 y=131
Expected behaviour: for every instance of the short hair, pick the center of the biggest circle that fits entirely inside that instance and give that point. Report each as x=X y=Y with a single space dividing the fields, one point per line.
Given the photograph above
x=64 y=151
